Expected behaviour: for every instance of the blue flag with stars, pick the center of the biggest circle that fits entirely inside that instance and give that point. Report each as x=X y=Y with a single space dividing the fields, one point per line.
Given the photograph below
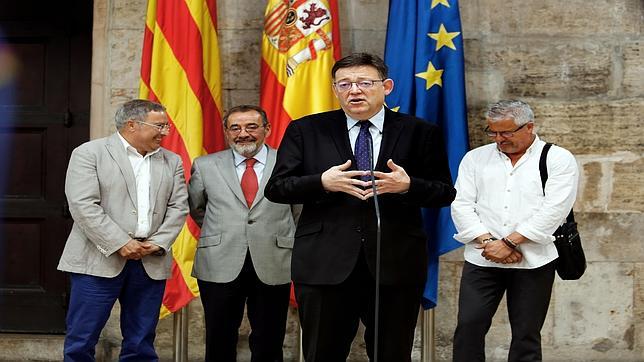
x=424 y=52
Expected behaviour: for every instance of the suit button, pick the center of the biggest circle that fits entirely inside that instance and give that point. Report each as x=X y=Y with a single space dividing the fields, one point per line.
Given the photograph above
x=363 y=239
x=133 y=211
x=358 y=229
x=250 y=222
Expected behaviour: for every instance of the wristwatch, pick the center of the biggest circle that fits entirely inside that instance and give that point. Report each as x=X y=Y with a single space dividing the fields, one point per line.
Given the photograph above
x=487 y=240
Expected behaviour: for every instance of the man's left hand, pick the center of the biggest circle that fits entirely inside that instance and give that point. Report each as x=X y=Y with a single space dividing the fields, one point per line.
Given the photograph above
x=149 y=248
x=495 y=251
x=395 y=182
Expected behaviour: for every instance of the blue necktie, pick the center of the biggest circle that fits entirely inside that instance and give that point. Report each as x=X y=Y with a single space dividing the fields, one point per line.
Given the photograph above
x=363 y=142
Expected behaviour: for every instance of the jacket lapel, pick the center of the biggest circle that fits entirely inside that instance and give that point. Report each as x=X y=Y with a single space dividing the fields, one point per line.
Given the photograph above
x=340 y=135
x=156 y=177
x=268 y=168
x=390 y=134
x=226 y=165
x=117 y=151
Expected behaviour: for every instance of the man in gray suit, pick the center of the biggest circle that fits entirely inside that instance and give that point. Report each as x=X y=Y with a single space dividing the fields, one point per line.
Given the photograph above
x=244 y=251
x=128 y=199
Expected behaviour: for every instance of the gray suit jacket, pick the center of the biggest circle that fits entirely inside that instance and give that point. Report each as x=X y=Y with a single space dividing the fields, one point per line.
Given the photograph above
x=229 y=228
x=101 y=191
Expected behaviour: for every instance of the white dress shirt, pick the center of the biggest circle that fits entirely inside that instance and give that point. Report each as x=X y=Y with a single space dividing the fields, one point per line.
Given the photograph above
x=377 y=124
x=240 y=163
x=141 y=168
x=494 y=196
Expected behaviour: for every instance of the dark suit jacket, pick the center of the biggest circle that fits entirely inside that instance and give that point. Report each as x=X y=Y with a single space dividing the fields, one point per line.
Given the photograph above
x=334 y=226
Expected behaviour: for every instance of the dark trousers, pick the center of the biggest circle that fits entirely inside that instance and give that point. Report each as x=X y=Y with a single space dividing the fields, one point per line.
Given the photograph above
x=90 y=305
x=330 y=314
x=528 y=297
x=223 y=305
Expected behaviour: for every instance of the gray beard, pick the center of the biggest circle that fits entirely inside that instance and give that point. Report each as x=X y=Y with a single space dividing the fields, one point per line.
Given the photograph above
x=246 y=150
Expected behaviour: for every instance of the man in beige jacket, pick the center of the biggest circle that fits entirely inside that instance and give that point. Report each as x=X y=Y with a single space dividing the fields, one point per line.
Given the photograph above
x=128 y=198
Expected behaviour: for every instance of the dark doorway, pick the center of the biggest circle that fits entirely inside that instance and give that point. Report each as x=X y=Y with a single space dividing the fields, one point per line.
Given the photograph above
x=45 y=63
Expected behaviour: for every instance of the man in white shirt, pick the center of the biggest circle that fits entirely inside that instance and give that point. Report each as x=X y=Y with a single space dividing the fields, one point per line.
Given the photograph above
x=506 y=222
x=127 y=196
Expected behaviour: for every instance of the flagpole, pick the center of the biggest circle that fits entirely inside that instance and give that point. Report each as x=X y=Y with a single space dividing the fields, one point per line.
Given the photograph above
x=180 y=333
x=300 y=350
x=428 y=337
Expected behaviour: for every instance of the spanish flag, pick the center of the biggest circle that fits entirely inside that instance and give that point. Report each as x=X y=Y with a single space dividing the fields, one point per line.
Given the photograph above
x=180 y=69
x=300 y=44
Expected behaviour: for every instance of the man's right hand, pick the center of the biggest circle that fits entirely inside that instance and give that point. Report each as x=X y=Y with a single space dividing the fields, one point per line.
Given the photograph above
x=131 y=250
x=515 y=257
x=337 y=179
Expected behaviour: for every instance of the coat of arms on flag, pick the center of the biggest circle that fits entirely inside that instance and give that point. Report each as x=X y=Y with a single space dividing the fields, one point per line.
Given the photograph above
x=288 y=22
x=300 y=44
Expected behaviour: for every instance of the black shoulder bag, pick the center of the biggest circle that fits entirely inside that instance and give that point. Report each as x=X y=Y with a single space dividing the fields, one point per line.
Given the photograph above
x=571 y=263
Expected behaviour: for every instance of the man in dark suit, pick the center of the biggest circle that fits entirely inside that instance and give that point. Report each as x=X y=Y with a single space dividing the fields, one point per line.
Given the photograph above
x=322 y=163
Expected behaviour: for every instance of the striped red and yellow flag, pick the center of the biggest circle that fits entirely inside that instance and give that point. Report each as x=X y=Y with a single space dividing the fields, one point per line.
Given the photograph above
x=300 y=43
x=180 y=69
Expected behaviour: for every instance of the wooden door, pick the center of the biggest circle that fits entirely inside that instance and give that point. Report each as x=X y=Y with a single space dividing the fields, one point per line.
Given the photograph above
x=45 y=59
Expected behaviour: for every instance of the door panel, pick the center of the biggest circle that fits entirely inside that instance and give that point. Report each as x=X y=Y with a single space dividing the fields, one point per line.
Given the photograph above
x=44 y=113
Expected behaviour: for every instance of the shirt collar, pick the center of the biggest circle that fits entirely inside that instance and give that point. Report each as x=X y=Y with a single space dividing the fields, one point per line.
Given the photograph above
x=378 y=120
x=129 y=148
x=261 y=156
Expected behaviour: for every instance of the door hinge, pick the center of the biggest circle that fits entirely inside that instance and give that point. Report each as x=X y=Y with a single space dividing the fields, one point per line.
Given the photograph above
x=68 y=121
x=66 y=214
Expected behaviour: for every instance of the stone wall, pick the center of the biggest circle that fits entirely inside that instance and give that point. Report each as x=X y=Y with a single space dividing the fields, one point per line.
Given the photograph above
x=579 y=63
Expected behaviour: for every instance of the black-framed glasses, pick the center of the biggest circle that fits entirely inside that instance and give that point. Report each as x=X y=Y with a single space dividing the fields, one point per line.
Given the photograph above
x=345 y=85
x=504 y=134
x=249 y=128
x=159 y=127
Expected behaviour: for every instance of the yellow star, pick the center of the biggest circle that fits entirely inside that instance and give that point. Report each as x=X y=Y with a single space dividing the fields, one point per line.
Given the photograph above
x=441 y=2
x=431 y=76
x=443 y=38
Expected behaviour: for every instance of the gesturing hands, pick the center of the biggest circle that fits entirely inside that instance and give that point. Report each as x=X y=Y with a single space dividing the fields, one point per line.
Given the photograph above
x=338 y=179
x=395 y=182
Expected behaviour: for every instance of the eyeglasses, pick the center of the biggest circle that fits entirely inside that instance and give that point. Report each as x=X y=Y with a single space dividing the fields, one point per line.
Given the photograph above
x=345 y=85
x=504 y=134
x=251 y=128
x=159 y=127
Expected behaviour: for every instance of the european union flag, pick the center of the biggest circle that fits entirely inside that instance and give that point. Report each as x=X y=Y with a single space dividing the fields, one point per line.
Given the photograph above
x=424 y=52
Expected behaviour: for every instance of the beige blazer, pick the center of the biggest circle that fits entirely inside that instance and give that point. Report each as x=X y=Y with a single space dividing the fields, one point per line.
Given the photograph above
x=229 y=228
x=101 y=192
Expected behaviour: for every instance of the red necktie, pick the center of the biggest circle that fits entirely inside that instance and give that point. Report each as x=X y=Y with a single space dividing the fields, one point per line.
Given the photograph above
x=249 y=182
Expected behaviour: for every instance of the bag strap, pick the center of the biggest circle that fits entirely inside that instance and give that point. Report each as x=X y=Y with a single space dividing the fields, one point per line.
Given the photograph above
x=543 y=166
x=543 y=171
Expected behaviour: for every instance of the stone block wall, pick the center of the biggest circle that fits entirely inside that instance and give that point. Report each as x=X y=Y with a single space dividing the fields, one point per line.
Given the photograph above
x=579 y=63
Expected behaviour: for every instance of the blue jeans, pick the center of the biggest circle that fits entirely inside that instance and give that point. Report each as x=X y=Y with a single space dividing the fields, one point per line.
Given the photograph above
x=91 y=302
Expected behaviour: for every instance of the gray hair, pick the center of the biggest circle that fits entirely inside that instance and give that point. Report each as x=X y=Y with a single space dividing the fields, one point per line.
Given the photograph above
x=518 y=111
x=243 y=109
x=136 y=110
